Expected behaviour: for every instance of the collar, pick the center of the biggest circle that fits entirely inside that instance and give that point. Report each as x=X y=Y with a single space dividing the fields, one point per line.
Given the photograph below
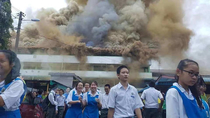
x=121 y=86
x=181 y=88
x=106 y=94
x=76 y=93
x=61 y=96
x=97 y=93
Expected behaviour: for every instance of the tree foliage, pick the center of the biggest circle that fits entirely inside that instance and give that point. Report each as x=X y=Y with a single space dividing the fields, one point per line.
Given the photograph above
x=5 y=23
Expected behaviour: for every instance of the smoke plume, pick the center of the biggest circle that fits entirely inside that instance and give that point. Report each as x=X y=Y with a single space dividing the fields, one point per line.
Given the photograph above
x=129 y=28
x=165 y=26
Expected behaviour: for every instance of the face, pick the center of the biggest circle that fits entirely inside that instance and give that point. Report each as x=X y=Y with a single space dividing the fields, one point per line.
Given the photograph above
x=57 y=91
x=34 y=94
x=87 y=86
x=5 y=67
x=80 y=86
x=188 y=78
x=60 y=92
x=124 y=73
x=67 y=90
x=106 y=89
x=93 y=87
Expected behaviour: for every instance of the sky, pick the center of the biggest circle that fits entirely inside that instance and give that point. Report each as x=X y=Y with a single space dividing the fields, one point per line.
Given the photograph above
x=30 y=7
x=37 y=4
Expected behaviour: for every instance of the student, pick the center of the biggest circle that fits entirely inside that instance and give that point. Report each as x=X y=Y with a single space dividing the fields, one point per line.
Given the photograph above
x=91 y=102
x=152 y=108
x=38 y=98
x=52 y=103
x=66 y=104
x=75 y=100
x=201 y=84
x=183 y=99
x=86 y=88
x=123 y=97
x=67 y=92
x=61 y=104
x=12 y=88
x=104 y=101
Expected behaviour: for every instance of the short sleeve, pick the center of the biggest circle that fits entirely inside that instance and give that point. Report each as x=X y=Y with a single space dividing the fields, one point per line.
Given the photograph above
x=13 y=93
x=143 y=95
x=138 y=101
x=160 y=95
x=112 y=96
x=69 y=98
x=172 y=104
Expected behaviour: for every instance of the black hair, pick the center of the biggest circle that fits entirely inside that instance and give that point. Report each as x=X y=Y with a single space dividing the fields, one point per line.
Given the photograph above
x=77 y=85
x=152 y=83
x=201 y=82
x=40 y=92
x=120 y=68
x=107 y=85
x=87 y=83
x=15 y=72
x=62 y=90
x=95 y=83
x=194 y=89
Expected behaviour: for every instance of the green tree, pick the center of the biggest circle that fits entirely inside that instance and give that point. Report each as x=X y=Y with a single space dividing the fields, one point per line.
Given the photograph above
x=5 y=23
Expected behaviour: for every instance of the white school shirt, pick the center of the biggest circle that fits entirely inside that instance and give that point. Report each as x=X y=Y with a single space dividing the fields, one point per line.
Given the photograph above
x=124 y=101
x=174 y=103
x=12 y=94
x=51 y=98
x=151 y=96
x=69 y=99
x=60 y=100
x=104 y=98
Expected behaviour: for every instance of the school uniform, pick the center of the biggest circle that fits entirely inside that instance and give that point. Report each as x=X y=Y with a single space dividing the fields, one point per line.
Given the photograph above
x=181 y=104
x=60 y=106
x=91 y=109
x=12 y=94
x=75 y=110
x=124 y=101
x=104 y=98
x=151 y=96
x=51 y=107
x=206 y=107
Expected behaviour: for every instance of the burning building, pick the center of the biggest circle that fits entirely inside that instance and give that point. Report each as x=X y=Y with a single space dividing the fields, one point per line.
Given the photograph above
x=130 y=32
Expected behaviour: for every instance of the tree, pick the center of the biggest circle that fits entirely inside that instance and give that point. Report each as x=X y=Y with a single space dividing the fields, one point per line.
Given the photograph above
x=5 y=23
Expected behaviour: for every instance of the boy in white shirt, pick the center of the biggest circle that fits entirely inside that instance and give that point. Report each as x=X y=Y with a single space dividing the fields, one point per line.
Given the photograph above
x=123 y=97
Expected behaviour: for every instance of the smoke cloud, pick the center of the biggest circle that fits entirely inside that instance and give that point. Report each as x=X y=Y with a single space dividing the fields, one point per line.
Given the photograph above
x=94 y=23
x=165 y=26
x=129 y=28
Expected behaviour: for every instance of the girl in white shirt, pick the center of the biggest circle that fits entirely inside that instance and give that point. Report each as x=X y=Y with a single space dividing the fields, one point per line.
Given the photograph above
x=183 y=99
x=12 y=88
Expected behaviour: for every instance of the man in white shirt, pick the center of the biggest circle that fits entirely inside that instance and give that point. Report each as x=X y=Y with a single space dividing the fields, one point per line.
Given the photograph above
x=53 y=103
x=152 y=109
x=104 y=101
x=123 y=97
x=61 y=104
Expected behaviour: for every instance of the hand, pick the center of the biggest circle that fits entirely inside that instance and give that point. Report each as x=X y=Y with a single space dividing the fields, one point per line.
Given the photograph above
x=80 y=98
x=56 y=112
x=79 y=101
x=97 y=100
x=159 y=109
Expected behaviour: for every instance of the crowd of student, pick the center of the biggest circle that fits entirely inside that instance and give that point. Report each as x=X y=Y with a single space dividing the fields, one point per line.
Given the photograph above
x=182 y=100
